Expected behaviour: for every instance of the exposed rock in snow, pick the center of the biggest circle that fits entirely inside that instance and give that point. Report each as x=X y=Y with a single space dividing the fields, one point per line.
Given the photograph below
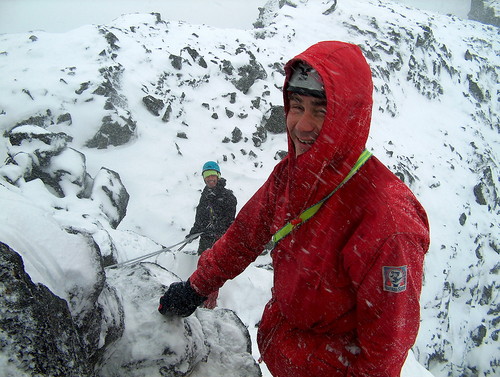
x=485 y=11
x=37 y=331
x=209 y=343
x=35 y=153
x=109 y=192
x=435 y=124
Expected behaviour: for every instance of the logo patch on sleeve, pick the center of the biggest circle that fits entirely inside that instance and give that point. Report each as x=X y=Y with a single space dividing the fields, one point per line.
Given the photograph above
x=394 y=278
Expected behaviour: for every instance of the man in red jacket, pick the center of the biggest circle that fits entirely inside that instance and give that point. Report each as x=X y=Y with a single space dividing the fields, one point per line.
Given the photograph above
x=348 y=269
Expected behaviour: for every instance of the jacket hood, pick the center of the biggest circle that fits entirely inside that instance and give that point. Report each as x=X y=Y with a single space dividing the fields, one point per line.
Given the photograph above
x=348 y=87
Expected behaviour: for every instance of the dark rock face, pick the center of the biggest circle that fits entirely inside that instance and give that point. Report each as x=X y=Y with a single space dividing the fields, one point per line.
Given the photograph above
x=118 y=127
x=236 y=135
x=37 y=329
x=482 y=12
x=259 y=136
x=195 y=56
x=248 y=74
x=115 y=130
x=154 y=105
x=275 y=121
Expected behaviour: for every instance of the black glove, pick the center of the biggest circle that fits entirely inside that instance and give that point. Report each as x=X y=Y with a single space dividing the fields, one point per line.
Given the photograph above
x=180 y=299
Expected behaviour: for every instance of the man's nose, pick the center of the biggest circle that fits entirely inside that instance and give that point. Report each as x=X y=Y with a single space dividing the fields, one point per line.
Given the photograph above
x=305 y=123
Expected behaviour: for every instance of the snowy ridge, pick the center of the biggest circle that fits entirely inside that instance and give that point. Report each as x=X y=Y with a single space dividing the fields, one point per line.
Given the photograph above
x=152 y=100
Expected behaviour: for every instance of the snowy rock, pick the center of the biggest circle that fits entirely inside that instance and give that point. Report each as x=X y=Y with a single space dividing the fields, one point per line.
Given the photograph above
x=249 y=72
x=115 y=130
x=106 y=325
x=485 y=11
x=117 y=127
x=35 y=153
x=154 y=105
x=230 y=347
x=41 y=144
x=41 y=154
x=259 y=136
x=68 y=172
x=435 y=124
x=274 y=120
x=211 y=343
x=37 y=329
x=195 y=56
x=110 y=194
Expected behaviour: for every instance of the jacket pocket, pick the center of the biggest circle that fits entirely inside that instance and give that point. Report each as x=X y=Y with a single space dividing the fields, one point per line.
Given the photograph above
x=311 y=354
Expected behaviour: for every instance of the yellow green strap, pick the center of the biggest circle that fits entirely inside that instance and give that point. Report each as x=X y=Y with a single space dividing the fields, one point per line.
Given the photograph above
x=311 y=211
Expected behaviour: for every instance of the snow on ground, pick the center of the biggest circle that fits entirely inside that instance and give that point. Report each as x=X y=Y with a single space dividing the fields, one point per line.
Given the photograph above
x=154 y=174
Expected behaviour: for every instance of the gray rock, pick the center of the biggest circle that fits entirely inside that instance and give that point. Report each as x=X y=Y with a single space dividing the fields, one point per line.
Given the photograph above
x=481 y=11
x=154 y=105
x=274 y=120
x=112 y=196
x=37 y=330
x=209 y=343
x=115 y=130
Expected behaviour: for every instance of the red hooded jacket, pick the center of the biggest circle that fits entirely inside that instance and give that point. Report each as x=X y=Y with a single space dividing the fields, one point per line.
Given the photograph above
x=347 y=282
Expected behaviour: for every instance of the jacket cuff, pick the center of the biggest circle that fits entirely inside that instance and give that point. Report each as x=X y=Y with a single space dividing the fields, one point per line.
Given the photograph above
x=195 y=286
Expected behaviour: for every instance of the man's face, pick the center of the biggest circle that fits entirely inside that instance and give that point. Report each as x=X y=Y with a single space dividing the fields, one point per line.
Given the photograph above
x=305 y=120
x=211 y=181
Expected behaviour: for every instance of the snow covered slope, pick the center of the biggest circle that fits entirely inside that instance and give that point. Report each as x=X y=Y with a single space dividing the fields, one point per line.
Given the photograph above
x=153 y=100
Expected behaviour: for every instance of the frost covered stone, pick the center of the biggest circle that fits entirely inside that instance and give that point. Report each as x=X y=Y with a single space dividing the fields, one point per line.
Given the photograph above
x=36 y=327
x=115 y=130
x=35 y=153
x=274 y=120
x=37 y=141
x=435 y=124
x=108 y=191
x=154 y=105
x=210 y=343
x=249 y=72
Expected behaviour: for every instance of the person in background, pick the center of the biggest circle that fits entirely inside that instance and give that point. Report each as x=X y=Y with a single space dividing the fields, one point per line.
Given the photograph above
x=350 y=237
x=214 y=214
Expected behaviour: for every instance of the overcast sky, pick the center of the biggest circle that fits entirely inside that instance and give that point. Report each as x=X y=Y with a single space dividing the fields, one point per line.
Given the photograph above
x=19 y=16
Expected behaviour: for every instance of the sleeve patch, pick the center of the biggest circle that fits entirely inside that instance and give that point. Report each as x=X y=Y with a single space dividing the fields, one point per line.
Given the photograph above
x=394 y=278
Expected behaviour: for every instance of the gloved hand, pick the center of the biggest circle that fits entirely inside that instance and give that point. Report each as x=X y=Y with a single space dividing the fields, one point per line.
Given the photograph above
x=180 y=299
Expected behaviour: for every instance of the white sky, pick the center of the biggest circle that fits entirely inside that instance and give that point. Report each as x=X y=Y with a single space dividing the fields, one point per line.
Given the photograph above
x=19 y=16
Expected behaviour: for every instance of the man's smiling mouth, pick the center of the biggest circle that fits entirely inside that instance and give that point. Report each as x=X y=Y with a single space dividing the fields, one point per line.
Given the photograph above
x=306 y=141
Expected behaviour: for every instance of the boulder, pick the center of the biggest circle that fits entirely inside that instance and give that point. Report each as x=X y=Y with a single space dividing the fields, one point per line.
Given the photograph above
x=209 y=343
x=115 y=130
x=111 y=195
x=274 y=120
x=37 y=329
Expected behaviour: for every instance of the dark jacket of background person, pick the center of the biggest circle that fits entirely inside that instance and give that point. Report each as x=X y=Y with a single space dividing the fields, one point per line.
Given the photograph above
x=214 y=214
